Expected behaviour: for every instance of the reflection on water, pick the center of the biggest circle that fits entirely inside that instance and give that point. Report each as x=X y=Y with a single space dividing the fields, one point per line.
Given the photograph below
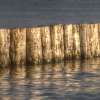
x=74 y=80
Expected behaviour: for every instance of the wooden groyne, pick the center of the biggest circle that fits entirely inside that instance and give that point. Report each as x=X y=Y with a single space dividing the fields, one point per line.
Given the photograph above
x=45 y=44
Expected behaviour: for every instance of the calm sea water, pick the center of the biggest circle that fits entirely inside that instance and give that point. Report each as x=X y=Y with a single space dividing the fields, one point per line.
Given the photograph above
x=29 y=13
x=74 y=80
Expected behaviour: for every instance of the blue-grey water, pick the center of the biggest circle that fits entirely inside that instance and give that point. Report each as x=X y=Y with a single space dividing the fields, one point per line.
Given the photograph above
x=73 y=80
x=28 y=13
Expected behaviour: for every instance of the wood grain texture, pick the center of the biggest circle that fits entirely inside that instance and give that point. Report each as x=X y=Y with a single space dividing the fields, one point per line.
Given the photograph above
x=84 y=39
x=57 y=42
x=4 y=46
x=34 y=46
x=18 y=46
x=46 y=44
x=68 y=41
x=89 y=34
x=76 y=41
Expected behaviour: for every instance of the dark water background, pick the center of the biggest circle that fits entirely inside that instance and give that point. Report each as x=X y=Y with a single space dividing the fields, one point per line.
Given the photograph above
x=73 y=80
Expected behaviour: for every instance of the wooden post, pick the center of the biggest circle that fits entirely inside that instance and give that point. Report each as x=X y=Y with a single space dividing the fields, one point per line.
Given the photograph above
x=68 y=41
x=18 y=46
x=46 y=44
x=57 y=42
x=99 y=36
x=76 y=41
x=34 y=46
x=4 y=47
x=89 y=34
x=95 y=40
x=85 y=43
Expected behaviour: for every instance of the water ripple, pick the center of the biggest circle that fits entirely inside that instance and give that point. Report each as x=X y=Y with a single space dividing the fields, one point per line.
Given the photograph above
x=73 y=80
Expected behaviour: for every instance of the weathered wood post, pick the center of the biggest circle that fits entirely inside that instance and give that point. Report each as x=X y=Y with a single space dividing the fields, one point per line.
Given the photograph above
x=57 y=42
x=34 y=46
x=85 y=41
x=4 y=46
x=68 y=41
x=89 y=40
x=71 y=41
x=95 y=40
x=99 y=36
x=18 y=46
x=76 y=41
x=46 y=44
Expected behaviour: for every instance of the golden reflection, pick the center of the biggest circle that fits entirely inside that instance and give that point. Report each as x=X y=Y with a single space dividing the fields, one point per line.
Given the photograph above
x=34 y=72
x=90 y=66
x=89 y=76
x=71 y=68
x=38 y=81
x=5 y=98
x=4 y=83
x=36 y=97
x=4 y=72
x=18 y=72
x=46 y=74
x=57 y=71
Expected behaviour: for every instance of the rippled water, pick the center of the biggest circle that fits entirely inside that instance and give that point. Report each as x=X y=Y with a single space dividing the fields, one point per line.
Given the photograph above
x=74 y=80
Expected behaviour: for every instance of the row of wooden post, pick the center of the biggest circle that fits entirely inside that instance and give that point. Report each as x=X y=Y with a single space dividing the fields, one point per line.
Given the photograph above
x=47 y=44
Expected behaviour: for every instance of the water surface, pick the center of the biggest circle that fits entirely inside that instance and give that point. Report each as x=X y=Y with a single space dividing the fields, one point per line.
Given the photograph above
x=73 y=80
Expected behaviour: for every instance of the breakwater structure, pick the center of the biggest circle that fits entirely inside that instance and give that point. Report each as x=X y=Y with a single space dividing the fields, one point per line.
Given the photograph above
x=46 y=44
